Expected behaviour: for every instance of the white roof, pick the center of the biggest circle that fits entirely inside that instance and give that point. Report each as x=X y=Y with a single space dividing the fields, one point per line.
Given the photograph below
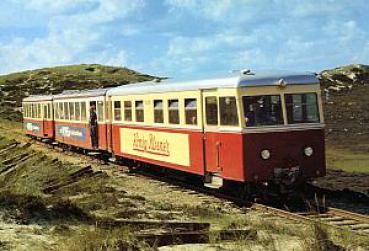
x=79 y=94
x=38 y=98
x=231 y=81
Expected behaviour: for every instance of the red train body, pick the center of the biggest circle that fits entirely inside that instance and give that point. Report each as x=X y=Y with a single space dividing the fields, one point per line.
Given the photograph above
x=250 y=129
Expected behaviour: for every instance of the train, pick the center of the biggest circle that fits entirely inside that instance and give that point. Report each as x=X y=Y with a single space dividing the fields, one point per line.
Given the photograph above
x=261 y=131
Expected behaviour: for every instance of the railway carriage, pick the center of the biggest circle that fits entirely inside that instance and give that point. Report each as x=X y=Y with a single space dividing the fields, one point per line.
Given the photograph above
x=72 y=114
x=38 y=118
x=250 y=128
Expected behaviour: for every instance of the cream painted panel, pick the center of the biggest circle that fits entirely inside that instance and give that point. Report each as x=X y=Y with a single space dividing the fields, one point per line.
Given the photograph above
x=161 y=146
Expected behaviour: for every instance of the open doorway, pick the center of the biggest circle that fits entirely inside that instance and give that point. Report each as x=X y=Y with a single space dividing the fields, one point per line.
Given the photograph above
x=93 y=125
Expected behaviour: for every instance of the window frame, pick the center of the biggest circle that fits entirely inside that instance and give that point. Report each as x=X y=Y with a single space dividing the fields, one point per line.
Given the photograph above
x=127 y=110
x=140 y=109
x=214 y=123
x=188 y=110
x=304 y=109
x=100 y=110
x=222 y=112
x=115 y=109
x=174 y=110
x=281 y=121
x=158 y=111
x=83 y=111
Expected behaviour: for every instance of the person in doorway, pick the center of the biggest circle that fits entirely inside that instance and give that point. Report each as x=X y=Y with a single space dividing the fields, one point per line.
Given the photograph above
x=93 y=127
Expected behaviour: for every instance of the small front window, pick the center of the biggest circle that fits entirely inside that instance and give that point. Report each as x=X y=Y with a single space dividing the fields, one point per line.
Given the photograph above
x=262 y=110
x=302 y=108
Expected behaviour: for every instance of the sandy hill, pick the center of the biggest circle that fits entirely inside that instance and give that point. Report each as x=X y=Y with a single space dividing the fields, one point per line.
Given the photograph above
x=346 y=104
x=15 y=86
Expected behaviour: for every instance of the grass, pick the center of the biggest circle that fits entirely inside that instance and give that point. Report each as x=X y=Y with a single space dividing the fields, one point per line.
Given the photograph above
x=347 y=160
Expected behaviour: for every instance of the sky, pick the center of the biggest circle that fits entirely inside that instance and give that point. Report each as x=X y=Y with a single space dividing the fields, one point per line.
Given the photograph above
x=177 y=38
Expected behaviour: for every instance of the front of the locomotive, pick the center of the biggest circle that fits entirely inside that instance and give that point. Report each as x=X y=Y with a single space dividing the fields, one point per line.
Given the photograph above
x=283 y=132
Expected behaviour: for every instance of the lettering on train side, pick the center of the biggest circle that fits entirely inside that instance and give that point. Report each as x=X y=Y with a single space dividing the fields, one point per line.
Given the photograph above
x=33 y=127
x=150 y=144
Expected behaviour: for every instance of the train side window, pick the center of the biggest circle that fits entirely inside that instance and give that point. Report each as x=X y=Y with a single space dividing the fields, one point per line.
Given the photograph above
x=228 y=111
x=83 y=111
x=66 y=111
x=158 y=111
x=191 y=111
x=127 y=111
x=77 y=107
x=139 y=107
x=211 y=107
x=173 y=110
x=50 y=108
x=71 y=111
x=61 y=110
x=39 y=111
x=36 y=110
x=45 y=111
x=100 y=111
x=56 y=111
x=117 y=111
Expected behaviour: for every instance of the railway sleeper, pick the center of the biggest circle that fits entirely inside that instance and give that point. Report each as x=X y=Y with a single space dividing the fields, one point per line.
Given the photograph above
x=175 y=238
x=345 y=223
x=15 y=158
x=360 y=226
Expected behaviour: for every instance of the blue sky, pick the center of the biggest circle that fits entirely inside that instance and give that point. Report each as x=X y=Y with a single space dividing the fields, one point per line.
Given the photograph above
x=179 y=38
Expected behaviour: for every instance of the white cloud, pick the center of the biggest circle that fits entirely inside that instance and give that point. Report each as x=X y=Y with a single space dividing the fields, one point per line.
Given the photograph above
x=70 y=38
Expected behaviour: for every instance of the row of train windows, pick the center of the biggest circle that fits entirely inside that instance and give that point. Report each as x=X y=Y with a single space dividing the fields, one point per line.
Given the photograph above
x=190 y=106
x=70 y=111
x=37 y=111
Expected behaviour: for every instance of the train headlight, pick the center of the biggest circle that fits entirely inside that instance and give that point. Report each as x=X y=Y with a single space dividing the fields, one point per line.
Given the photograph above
x=265 y=154
x=308 y=151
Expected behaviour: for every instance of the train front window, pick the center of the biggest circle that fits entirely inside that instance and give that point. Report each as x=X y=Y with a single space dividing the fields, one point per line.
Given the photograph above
x=262 y=110
x=302 y=108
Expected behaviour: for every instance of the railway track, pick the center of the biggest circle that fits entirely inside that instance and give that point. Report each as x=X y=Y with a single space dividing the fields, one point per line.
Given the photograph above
x=331 y=217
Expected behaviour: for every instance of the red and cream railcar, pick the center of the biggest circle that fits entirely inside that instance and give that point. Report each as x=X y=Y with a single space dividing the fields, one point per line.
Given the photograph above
x=251 y=128
x=72 y=114
x=38 y=116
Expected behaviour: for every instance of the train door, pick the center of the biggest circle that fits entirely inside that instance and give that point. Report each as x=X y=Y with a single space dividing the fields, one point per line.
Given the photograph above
x=213 y=167
x=102 y=125
x=109 y=119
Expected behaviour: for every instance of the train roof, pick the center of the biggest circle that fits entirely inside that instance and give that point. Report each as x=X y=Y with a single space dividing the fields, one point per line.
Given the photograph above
x=81 y=93
x=38 y=98
x=243 y=79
